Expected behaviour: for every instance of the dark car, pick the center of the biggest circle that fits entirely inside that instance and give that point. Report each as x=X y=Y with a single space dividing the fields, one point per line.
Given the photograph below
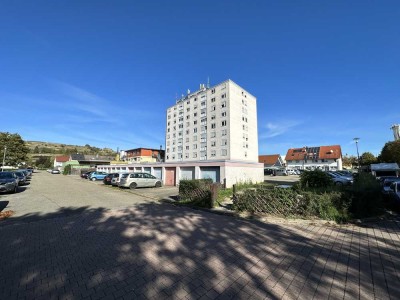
x=86 y=174
x=394 y=192
x=387 y=184
x=8 y=182
x=109 y=177
x=22 y=177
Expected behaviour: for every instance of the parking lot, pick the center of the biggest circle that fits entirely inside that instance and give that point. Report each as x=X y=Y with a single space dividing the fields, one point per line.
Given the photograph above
x=75 y=239
x=50 y=193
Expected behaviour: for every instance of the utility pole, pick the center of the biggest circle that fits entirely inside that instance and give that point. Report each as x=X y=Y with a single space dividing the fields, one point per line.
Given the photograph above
x=4 y=158
x=358 y=155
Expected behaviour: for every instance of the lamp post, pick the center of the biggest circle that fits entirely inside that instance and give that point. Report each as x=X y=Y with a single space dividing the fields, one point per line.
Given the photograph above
x=4 y=158
x=358 y=155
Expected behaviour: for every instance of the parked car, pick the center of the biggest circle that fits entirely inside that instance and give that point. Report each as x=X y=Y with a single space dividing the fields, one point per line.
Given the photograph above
x=9 y=182
x=291 y=172
x=107 y=179
x=340 y=180
x=97 y=176
x=22 y=177
x=387 y=184
x=115 y=180
x=394 y=192
x=86 y=174
x=55 y=171
x=281 y=173
x=134 y=180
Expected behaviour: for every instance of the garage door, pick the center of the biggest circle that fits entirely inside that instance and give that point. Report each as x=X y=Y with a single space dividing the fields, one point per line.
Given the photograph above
x=210 y=172
x=170 y=176
x=187 y=173
x=157 y=173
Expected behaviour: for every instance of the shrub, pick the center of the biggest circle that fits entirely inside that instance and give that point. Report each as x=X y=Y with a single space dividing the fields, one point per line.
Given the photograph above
x=196 y=192
x=315 y=179
x=292 y=203
x=67 y=170
x=365 y=195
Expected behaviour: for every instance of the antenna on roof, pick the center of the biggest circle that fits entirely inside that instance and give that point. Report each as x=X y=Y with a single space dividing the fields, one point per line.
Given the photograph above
x=208 y=82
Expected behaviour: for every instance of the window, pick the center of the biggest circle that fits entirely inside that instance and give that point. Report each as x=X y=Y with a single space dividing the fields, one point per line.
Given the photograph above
x=186 y=155
x=187 y=147
x=194 y=155
x=213 y=126
x=194 y=122
x=187 y=131
x=213 y=91
x=213 y=143
x=213 y=134
x=187 y=140
x=194 y=146
x=223 y=114
x=212 y=100
x=224 y=132
x=223 y=96
x=195 y=138
x=223 y=104
x=188 y=109
x=187 y=117
x=168 y=123
x=213 y=108
x=224 y=142
x=213 y=153
x=213 y=117
x=194 y=130
x=187 y=124
x=195 y=115
x=203 y=103
x=224 y=152
x=223 y=123
x=168 y=130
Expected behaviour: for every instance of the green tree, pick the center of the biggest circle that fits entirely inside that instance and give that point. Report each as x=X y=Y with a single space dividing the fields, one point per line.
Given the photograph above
x=15 y=149
x=44 y=162
x=390 y=152
x=349 y=160
x=368 y=158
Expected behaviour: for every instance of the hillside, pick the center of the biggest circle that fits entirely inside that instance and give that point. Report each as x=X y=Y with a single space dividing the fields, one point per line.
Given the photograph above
x=47 y=148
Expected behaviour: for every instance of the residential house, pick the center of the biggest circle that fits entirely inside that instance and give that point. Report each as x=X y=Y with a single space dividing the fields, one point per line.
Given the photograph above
x=144 y=155
x=60 y=160
x=271 y=161
x=311 y=158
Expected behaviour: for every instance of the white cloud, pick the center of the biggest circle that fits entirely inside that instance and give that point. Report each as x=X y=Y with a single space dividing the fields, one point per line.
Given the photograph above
x=276 y=129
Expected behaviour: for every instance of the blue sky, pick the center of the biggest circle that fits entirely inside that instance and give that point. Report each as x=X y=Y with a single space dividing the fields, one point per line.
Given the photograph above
x=104 y=72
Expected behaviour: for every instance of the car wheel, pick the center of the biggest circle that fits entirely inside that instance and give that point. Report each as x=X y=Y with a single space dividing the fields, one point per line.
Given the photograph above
x=133 y=186
x=158 y=184
x=94 y=179
x=15 y=189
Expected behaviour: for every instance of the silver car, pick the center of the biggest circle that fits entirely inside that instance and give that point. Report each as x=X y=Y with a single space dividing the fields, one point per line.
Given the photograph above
x=134 y=180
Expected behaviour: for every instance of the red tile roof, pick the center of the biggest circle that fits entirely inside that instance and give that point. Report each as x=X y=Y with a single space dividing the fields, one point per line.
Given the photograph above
x=63 y=158
x=268 y=159
x=320 y=152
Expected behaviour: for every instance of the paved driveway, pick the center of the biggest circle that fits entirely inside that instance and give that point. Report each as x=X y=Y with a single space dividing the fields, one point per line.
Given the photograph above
x=159 y=251
x=51 y=193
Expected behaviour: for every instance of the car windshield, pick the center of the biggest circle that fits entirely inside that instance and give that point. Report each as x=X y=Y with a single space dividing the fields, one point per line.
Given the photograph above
x=5 y=175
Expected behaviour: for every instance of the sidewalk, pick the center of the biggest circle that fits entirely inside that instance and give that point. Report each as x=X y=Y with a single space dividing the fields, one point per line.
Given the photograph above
x=158 y=251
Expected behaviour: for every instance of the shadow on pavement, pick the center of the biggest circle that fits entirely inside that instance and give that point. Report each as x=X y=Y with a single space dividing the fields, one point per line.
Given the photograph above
x=3 y=205
x=157 y=251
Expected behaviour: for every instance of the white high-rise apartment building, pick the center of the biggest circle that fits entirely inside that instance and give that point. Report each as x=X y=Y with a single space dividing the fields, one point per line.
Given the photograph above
x=213 y=123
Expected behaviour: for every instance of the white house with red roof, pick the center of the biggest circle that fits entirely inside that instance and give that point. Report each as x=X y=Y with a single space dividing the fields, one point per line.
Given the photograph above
x=328 y=158
x=59 y=160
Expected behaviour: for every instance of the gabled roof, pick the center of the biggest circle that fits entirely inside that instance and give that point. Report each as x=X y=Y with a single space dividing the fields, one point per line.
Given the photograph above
x=63 y=158
x=318 y=152
x=77 y=157
x=268 y=159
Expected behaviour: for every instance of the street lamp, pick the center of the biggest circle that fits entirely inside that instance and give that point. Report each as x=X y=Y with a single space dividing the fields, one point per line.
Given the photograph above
x=358 y=155
x=4 y=158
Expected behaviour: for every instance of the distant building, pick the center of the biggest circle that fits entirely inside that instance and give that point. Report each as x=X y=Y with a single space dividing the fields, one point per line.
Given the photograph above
x=273 y=160
x=144 y=155
x=312 y=158
x=60 y=160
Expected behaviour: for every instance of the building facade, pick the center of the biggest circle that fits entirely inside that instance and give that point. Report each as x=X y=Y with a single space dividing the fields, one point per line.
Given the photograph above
x=144 y=155
x=216 y=123
x=328 y=158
